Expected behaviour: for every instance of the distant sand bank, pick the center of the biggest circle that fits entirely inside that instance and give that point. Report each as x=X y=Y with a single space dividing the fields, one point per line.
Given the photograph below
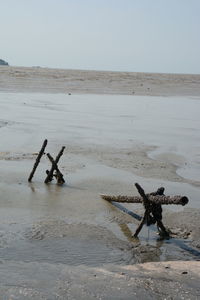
x=45 y=80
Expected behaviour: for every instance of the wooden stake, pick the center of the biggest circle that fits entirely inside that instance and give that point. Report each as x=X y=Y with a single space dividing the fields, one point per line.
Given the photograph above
x=146 y=204
x=37 y=160
x=59 y=175
x=54 y=165
x=150 y=209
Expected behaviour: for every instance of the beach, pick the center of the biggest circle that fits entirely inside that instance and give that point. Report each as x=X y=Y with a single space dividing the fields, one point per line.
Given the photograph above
x=47 y=80
x=118 y=129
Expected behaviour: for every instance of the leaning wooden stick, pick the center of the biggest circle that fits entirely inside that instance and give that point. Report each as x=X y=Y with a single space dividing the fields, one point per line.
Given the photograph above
x=59 y=175
x=54 y=165
x=37 y=160
x=147 y=206
x=150 y=215
x=157 y=199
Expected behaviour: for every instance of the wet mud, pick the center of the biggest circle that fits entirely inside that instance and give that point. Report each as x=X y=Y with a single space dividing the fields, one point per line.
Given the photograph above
x=67 y=234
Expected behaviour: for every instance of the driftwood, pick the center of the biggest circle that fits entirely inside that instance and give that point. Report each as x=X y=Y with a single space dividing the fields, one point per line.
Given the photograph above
x=58 y=175
x=152 y=204
x=54 y=166
x=152 y=214
x=37 y=160
x=146 y=204
x=157 y=199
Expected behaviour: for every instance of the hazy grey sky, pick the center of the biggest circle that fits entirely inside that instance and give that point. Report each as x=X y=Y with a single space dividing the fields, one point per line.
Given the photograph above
x=124 y=35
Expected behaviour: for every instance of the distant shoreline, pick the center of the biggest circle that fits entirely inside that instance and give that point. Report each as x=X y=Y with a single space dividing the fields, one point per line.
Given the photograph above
x=104 y=71
x=48 y=80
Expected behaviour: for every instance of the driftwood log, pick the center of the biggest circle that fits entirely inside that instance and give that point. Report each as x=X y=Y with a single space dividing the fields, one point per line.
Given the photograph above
x=157 y=199
x=152 y=204
x=54 y=166
x=37 y=160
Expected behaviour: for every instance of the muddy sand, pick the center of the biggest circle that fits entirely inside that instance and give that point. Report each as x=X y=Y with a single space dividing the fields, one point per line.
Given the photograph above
x=65 y=242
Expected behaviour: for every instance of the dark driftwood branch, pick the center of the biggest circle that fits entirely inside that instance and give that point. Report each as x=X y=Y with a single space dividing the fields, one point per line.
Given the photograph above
x=157 y=199
x=160 y=191
x=59 y=175
x=140 y=226
x=54 y=165
x=152 y=204
x=37 y=160
x=153 y=213
x=147 y=206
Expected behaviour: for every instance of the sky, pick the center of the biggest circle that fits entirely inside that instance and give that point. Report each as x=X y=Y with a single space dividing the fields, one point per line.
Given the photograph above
x=119 y=35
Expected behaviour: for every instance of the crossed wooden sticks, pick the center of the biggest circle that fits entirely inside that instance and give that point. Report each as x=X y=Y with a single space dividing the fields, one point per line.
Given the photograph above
x=54 y=171
x=152 y=204
x=153 y=212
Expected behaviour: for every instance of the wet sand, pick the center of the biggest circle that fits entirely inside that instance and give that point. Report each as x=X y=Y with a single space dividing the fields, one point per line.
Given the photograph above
x=46 y=80
x=69 y=233
x=170 y=280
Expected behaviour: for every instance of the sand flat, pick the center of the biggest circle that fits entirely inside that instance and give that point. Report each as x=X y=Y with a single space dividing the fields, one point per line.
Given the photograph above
x=112 y=140
x=46 y=80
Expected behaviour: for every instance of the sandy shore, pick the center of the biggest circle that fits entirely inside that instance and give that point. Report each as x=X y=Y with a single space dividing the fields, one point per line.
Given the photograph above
x=170 y=280
x=75 y=240
x=45 y=80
